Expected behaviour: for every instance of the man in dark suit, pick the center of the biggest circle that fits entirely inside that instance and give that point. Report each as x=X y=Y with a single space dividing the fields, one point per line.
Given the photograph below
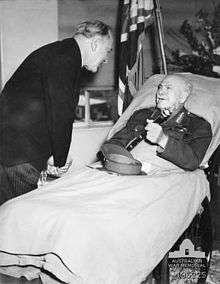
x=37 y=106
x=181 y=136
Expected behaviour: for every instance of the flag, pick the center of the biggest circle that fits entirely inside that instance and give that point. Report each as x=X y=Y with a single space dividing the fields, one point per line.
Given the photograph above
x=136 y=15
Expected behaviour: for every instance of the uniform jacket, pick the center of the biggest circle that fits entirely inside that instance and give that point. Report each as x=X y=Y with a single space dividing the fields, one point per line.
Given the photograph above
x=188 y=136
x=37 y=105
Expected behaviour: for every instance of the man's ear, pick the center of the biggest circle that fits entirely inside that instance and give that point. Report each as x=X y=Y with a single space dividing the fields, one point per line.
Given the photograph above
x=183 y=97
x=94 y=43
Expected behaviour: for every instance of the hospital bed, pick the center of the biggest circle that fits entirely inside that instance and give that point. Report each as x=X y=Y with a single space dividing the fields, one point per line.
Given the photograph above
x=94 y=227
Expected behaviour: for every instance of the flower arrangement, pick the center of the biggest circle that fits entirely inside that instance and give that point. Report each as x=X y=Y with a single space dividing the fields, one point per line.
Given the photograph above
x=204 y=42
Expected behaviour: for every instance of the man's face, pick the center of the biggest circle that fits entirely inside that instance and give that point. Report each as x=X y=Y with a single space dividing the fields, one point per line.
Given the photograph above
x=98 y=53
x=169 y=93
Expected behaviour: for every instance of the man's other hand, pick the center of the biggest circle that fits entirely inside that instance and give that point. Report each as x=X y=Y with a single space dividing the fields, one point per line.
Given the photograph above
x=154 y=131
x=58 y=171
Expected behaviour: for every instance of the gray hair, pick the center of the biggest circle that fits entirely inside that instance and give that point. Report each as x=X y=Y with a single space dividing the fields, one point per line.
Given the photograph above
x=90 y=29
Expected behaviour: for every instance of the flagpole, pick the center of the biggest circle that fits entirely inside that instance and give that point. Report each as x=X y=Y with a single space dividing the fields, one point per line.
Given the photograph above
x=161 y=35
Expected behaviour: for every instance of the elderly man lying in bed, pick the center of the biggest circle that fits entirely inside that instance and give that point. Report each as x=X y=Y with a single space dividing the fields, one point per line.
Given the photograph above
x=90 y=226
x=181 y=136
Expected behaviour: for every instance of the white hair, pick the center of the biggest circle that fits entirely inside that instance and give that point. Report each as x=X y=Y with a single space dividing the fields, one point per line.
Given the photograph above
x=186 y=83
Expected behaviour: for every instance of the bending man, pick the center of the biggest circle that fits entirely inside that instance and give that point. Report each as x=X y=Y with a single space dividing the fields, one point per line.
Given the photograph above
x=37 y=106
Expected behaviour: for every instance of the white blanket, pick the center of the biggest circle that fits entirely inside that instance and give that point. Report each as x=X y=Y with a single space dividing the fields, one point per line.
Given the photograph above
x=97 y=228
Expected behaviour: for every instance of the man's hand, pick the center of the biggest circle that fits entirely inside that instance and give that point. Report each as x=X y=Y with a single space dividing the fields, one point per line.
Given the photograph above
x=154 y=131
x=58 y=171
x=155 y=134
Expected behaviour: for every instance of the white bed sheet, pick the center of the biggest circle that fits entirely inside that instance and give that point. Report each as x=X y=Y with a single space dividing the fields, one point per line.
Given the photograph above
x=97 y=228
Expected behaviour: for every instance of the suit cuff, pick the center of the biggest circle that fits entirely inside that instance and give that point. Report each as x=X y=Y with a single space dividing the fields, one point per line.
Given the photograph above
x=162 y=143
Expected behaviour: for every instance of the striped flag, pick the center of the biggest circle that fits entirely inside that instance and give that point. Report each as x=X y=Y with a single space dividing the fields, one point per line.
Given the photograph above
x=136 y=15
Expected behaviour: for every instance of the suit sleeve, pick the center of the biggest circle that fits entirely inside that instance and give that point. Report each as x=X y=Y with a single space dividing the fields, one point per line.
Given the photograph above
x=188 y=151
x=126 y=134
x=62 y=98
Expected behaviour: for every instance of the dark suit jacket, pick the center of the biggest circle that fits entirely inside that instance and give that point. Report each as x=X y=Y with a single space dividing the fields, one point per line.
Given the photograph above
x=189 y=136
x=37 y=106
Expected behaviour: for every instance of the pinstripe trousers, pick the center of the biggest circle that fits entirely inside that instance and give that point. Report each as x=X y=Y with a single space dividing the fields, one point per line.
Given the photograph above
x=17 y=180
